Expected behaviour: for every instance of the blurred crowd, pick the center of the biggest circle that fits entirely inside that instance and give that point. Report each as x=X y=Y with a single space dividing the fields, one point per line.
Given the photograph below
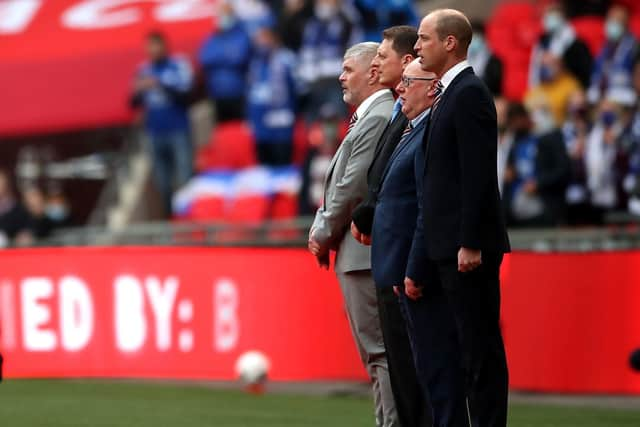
x=30 y=213
x=271 y=64
x=569 y=152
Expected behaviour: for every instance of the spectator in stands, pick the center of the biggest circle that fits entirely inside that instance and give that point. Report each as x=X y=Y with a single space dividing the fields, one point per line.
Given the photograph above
x=272 y=98
x=560 y=39
x=632 y=180
x=380 y=14
x=162 y=88
x=292 y=21
x=602 y=156
x=327 y=35
x=40 y=224
x=555 y=87
x=505 y=139
x=254 y=14
x=323 y=137
x=575 y=132
x=485 y=64
x=224 y=58
x=538 y=172
x=14 y=219
x=614 y=65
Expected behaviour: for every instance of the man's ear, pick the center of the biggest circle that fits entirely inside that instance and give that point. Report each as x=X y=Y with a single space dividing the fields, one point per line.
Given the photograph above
x=451 y=43
x=373 y=76
x=406 y=60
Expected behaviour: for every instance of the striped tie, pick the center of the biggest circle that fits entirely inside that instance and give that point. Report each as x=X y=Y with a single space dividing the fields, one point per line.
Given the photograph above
x=352 y=122
x=407 y=130
x=438 y=95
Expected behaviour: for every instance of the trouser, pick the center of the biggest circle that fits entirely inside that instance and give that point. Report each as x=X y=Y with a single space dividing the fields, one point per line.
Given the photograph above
x=359 y=295
x=461 y=362
x=412 y=404
x=172 y=155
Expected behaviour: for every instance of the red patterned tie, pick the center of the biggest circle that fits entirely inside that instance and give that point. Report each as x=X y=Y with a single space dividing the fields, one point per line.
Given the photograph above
x=352 y=122
x=438 y=94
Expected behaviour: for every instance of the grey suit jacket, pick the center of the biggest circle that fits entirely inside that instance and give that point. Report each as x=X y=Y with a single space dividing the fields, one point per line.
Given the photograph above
x=345 y=186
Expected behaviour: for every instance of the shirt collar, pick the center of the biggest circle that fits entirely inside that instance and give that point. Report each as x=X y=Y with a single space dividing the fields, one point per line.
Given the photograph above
x=451 y=74
x=415 y=122
x=364 y=106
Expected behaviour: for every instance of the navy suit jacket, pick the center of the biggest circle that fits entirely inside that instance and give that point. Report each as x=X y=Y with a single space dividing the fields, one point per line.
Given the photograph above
x=460 y=204
x=396 y=210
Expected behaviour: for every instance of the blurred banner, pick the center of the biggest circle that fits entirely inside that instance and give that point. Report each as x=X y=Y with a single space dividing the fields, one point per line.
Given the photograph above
x=570 y=321
x=69 y=64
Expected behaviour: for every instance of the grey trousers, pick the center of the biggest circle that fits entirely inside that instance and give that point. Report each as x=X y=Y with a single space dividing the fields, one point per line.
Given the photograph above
x=359 y=294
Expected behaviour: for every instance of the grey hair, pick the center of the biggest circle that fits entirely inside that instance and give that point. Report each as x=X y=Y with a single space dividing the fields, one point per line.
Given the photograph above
x=364 y=52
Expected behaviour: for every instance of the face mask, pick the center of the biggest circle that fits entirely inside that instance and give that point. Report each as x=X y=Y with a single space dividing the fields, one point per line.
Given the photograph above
x=324 y=11
x=225 y=22
x=608 y=118
x=56 y=212
x=547 y=74
x=552 y=22
x=614 y=30
x=477 y=44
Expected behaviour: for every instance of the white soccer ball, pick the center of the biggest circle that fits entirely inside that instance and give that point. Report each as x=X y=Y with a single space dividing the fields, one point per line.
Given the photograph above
x=252 y=367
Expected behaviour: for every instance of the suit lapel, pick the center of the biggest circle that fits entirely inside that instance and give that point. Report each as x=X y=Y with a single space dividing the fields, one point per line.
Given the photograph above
x=441 y=106
x=402 y=146
x=336 y=156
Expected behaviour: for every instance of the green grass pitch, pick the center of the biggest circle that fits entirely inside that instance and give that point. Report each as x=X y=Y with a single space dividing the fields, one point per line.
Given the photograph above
x=40 y=403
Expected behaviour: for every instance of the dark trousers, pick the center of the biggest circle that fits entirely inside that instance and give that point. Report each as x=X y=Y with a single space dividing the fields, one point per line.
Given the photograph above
x=412 y=405
x=458 y=345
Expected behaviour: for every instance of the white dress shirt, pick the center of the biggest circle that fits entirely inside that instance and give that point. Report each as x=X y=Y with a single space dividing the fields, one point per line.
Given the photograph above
x=453 y=72
x=367 y=102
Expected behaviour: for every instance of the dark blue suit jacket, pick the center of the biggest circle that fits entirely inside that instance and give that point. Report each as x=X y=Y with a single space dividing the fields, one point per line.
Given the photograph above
x=396 y=210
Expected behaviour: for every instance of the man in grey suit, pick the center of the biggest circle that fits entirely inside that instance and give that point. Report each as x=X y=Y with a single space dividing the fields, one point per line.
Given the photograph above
x=345 y=188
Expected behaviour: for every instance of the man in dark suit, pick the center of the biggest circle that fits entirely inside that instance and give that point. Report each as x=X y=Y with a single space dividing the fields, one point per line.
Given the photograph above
x=460 y=239
x=394 y=53
x=392 y=234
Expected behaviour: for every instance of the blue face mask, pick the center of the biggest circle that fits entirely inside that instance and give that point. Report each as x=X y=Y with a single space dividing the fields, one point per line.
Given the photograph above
x=608 y=118
x=613 y=30
x=477 y=44
x=552 y=22
x=225 y=22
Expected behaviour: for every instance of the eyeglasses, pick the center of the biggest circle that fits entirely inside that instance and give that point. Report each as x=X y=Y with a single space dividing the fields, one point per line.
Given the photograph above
x=406 y=81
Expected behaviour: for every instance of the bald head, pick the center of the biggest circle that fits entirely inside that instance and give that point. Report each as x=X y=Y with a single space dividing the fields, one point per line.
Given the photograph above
x=415 y=89
x=451 y=22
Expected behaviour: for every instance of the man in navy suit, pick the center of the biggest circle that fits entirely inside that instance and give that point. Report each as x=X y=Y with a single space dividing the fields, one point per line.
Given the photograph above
x=394 y=221
x=459 y=240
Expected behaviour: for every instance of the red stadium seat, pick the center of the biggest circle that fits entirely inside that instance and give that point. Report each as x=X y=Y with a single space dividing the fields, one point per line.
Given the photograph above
x=231 y=146
x=207 y=209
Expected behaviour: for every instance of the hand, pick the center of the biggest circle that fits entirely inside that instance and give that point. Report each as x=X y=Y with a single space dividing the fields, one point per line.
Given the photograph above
x=145 y=83
x=314 y=247
x=396 y=290
x=412 y=290
x=469 y=259
x=362 y=238
x=323 y=261
x=530 y=187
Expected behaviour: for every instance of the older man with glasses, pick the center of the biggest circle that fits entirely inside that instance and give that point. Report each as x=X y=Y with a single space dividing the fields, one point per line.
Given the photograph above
x=394 y=221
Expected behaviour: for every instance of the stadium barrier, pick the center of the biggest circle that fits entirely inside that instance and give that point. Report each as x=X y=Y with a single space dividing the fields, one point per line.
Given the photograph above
x=569 y=319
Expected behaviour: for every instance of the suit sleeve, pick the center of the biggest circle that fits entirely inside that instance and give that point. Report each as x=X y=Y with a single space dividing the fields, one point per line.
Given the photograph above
x=477 y=142
x=416 y=264
x=333 y=219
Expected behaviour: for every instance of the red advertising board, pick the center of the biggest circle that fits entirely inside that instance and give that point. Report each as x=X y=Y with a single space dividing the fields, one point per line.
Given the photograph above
x=570 y=321
x=175 y=312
